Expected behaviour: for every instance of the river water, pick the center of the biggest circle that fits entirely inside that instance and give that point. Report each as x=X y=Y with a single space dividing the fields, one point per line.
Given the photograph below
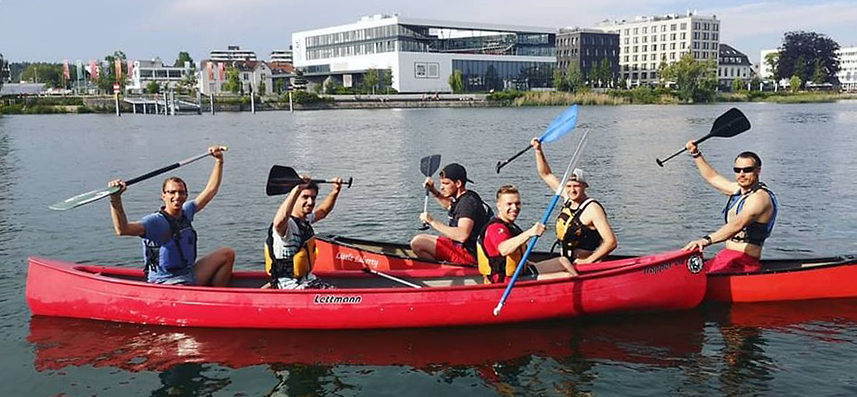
x=804 y=348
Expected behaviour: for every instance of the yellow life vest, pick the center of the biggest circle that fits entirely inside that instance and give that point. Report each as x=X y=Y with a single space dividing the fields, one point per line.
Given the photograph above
x=495 y=269
x=299 y=265
x=571 y=233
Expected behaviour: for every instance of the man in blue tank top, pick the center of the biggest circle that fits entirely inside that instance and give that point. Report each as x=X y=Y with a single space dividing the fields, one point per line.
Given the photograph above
x=749 y=214
x=169 y=240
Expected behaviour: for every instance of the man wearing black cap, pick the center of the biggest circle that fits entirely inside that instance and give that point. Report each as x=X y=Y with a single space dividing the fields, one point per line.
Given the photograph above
x=467 y=216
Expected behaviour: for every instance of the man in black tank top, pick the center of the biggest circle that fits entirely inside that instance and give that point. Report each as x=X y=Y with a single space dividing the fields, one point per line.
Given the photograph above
x=591 y=219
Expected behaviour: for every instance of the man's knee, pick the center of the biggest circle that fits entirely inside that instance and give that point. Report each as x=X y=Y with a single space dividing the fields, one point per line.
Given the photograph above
x=419 y=242
x=226 y=256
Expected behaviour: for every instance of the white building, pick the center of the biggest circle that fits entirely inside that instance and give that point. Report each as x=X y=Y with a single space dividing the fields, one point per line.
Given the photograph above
x=281 y=56
x=422 y=54
x=232 y=53
x=144 y=72
x=733 y=65
x=254 y=76
x=848 y=68
x=648 y=41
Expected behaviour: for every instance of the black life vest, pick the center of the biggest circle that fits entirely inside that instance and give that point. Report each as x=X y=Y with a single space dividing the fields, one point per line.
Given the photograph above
x=755 y=233
x=496 y=268
x=478 y=224
x=183 y=238
x=571 y=233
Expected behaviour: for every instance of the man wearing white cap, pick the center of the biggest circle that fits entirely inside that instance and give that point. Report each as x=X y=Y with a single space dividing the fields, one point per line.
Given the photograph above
x=583 y=232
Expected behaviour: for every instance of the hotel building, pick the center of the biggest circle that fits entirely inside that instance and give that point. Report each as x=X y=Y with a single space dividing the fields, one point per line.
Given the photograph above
x=422 y=54
x=647 y=42
x=848 y=68
x=587 y=48
x=231 y=53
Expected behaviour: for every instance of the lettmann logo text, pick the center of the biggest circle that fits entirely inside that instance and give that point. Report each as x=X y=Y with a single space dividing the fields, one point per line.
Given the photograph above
x=335 y=299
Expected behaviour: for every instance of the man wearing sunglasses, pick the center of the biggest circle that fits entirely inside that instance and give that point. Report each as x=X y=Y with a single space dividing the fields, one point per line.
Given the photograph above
x=750 y=213
x=169 y=240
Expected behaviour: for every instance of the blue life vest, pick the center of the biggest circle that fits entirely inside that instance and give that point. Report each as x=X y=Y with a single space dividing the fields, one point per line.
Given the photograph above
x=177 y=253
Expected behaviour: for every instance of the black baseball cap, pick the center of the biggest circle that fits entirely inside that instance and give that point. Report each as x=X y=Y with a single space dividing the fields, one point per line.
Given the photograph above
x=456 y=172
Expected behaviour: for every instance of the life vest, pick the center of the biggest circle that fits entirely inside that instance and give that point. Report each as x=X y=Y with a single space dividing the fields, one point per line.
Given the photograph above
x=182 y=245
x=755 y=233
x=571 y=233
x=496 y=268
x=298 y=254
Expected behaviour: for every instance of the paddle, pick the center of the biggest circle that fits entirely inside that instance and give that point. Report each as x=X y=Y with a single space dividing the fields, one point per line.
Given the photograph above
x=564 y=123
x=282 y=179
x=391 y=278
x=729 y=124
x=545 y=218
x=428 y=165
x=98 y=194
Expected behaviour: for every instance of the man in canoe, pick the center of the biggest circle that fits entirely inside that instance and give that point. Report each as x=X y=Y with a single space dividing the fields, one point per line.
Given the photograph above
x=169 y=240
x=467 y=216
x=583 y=231
x=750 y=213
x=501 y=243
x=290 y=247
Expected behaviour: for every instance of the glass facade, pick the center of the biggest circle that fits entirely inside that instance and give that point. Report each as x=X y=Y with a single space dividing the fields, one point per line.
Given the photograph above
x=414 y=38
x=504 y=75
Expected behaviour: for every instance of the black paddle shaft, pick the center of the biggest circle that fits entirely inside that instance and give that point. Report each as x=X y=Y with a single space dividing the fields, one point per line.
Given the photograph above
x=501 y=164
x=729 y=124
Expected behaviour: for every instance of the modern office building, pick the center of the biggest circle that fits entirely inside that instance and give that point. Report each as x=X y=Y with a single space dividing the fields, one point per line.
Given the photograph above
x=422 y=54
x=647 y=42
x=232 y=53
x=146 y=71
x=731 y=65
x=848 y=68
x=588 y=48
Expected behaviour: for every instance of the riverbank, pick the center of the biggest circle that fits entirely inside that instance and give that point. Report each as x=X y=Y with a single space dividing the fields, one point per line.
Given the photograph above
x=641 y=95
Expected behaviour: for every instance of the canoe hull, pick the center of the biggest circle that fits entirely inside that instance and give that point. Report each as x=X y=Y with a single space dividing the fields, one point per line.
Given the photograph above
x=653 y=283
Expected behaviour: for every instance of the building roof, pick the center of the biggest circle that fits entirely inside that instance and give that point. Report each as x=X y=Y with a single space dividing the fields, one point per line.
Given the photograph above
x=730 y=56
x=393 y=19
x=22 y=89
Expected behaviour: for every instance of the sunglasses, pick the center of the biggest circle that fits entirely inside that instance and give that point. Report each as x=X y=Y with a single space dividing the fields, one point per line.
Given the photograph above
x=745 y=170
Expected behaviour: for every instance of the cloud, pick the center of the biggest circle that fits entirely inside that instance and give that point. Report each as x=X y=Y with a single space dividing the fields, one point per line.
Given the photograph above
x=757 y=19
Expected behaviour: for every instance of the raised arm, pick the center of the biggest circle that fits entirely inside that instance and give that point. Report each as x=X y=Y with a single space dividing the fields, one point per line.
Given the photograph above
x=213 y=181
x=542 y=165
x=120 y=221
x=327 y=206
x=708 y=173
x=444 y=202
x=281 y=218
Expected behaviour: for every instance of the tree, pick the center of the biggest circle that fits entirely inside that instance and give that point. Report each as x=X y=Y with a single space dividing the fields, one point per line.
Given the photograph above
x=737 y=85
x=795 y=83
x=46 y=73
x=233 y=82
x=574 y=77
x=188 y=83
x=800 y=50
x=772 y=59
x=387 y=79
x=263 y=88
x=153 y=87
x=695 y=81
x=456 y=81
x=107 y=77
x=370 y=80
x=818 y=74
x=755 y=82
x=182 y=58
x=560 y=83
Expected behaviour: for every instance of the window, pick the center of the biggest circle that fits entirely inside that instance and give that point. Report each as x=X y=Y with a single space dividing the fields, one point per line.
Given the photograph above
x=645 y=30
x=636 y=30
x=654 y=38
x=672 y=46
x=672 y=36
x=672 y=27
x=683 y=25
x=683 y=35
x=672 y=55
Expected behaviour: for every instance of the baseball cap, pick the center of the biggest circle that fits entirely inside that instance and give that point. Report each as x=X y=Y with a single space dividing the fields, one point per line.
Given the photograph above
x=579 y=176
x=456 y=172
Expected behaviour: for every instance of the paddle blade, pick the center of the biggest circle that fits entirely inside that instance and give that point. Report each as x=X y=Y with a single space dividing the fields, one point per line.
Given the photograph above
x=84 y=198
x=281 y=180
x=729 y=124
x=564 y=123
x=429 y=164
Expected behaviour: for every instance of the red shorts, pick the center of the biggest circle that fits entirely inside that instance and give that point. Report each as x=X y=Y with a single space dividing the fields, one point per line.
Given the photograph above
x=451 y=251
x=730 y=261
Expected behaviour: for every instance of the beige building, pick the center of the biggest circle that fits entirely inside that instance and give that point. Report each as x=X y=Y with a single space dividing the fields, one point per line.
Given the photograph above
x=646 y=42
x=254 y=76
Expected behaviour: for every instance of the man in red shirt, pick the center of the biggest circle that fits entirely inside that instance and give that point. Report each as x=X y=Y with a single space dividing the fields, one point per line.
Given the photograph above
x=502 y=243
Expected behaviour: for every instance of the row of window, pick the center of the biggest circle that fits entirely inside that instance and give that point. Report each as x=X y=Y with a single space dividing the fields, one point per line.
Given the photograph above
x=348 y=50
x=672 y=28
x=586 y=40
x=160 y=73
x=733 y=72
x=379 y=32
x=574 y=52
x=731 y=60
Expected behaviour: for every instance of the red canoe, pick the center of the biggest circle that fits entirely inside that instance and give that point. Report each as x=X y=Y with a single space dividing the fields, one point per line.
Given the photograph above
x=788 y=280
x=449 y=297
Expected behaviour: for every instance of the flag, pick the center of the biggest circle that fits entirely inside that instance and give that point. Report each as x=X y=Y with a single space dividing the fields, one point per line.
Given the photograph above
x=79 y=66
x=118 y=63
x=65 y=72
x=93 y=70
x=210 y=67
x=222 y=69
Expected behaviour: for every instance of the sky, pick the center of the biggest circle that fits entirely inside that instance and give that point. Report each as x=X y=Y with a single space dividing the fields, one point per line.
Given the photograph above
x=53 y=30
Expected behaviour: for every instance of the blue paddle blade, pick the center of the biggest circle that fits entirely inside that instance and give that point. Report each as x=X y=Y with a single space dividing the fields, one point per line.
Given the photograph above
x=564 y=123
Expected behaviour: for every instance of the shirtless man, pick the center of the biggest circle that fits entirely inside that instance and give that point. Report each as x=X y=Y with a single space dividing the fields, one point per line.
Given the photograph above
x=749 y=214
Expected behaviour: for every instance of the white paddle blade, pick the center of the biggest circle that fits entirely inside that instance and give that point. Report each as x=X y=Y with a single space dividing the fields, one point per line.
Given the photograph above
x=84 y=198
